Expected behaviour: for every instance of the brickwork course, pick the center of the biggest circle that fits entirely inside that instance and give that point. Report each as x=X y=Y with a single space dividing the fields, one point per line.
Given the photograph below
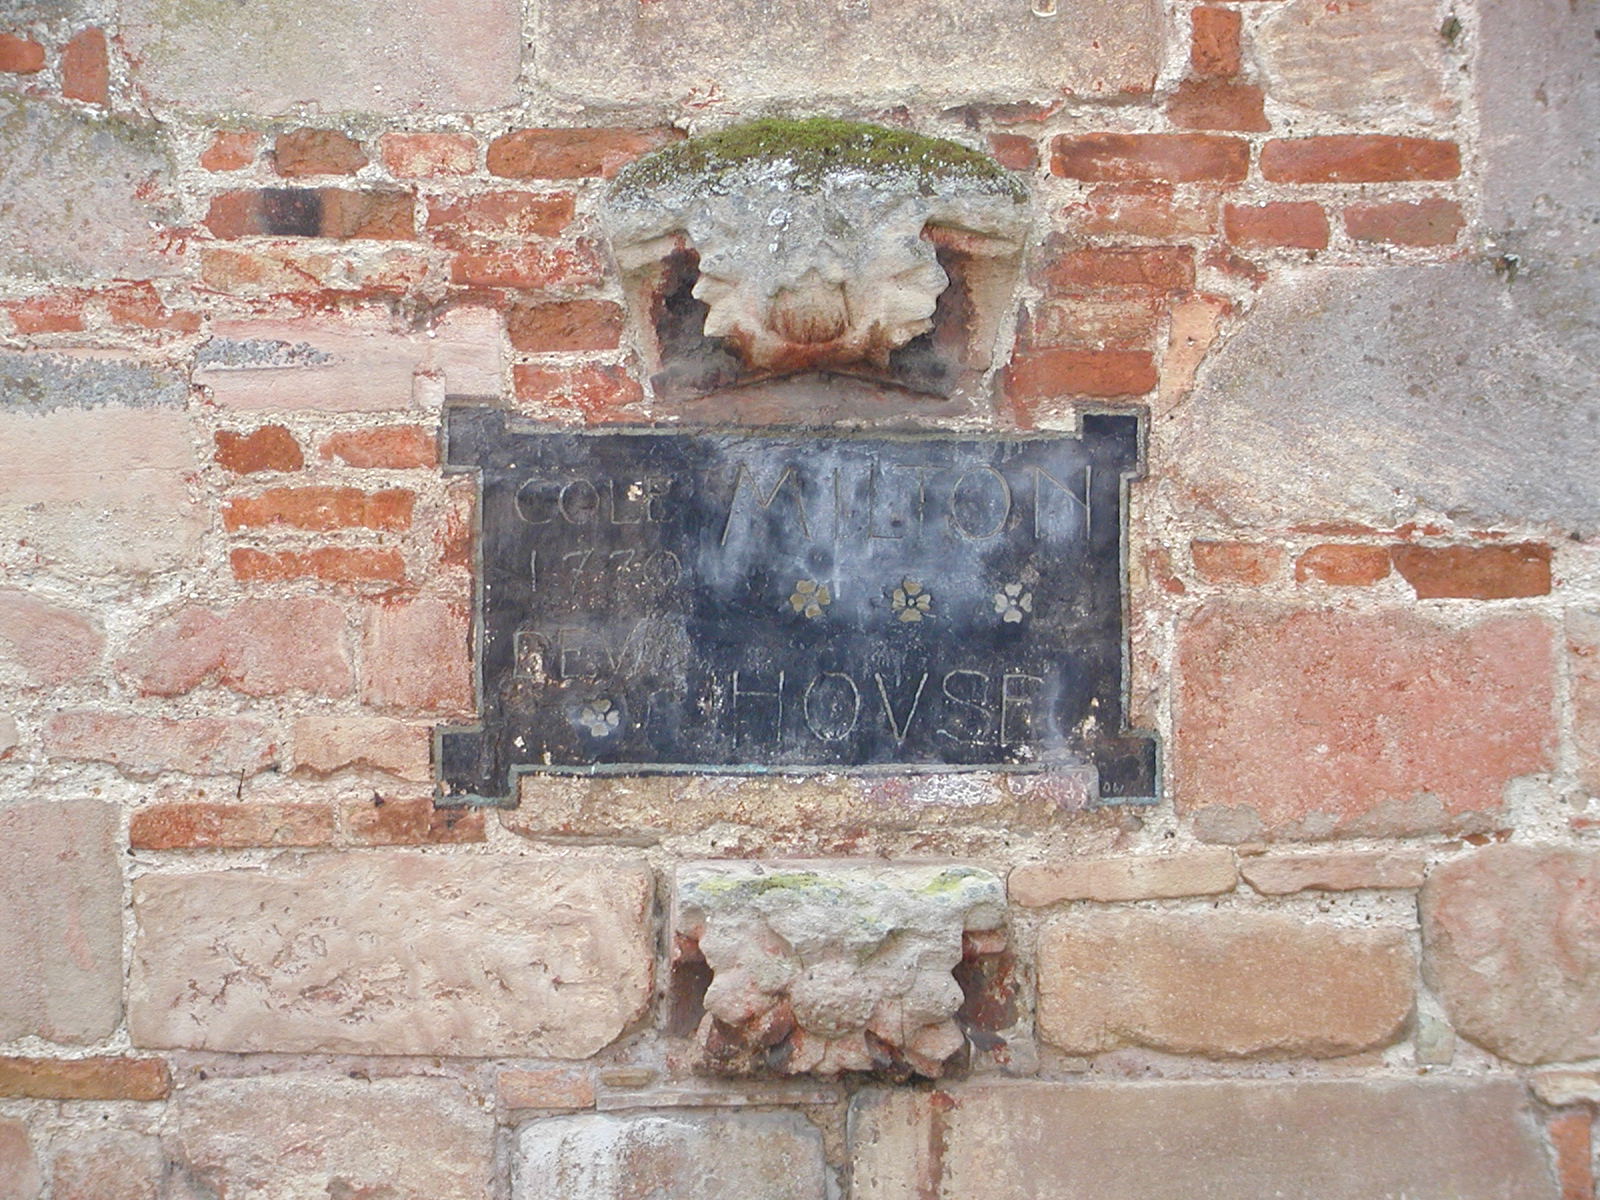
x=1341 y=257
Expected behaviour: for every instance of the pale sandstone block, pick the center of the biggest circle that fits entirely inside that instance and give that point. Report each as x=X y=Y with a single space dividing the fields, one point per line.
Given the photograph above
x=1220 y=984
x=371 y=953
x=19 y=1169
x=1350 y=59
x=1283 y=874
x=110 y=1164
x=545 y=1087
x=323 y=745
x=1198 y=873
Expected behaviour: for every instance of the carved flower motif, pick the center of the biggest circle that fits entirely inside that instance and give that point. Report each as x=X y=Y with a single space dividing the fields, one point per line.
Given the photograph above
x=600 y=718
x=810 y=598
x=1012 y=602
x=910 y=601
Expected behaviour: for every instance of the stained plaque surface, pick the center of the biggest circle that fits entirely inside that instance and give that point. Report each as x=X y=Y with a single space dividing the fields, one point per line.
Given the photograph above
x=657 y=601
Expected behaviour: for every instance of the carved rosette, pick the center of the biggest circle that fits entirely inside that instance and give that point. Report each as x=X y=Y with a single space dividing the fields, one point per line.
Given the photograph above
x=826 y=968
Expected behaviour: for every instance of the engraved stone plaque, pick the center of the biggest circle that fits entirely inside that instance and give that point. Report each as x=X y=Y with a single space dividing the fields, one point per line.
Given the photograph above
x=655 y=600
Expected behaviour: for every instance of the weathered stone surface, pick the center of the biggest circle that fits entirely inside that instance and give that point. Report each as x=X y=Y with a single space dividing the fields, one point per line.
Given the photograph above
x=1511 y=946
x=343 y=55
x=144 y=747
x=1317 y=723
x=40 y=382
x=1195 y=873
x=43 y=644
x=1349 y=59
x=323 y=745
x=322 y=1137
x=1561 y=1088
x=19 y=1169
x=1583 y=659
x=394 y=954
x=829 y=967
x=705 y=1156
x=1234 y=1140
x=545 y=1088
x=815 y=49
x=1282 y=874
x=107 y=167
x=1220 y=984
x=108 y=1164
x=60 y=921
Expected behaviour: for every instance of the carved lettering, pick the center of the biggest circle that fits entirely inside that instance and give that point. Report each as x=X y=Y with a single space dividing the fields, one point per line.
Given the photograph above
x=981 y=535
x=840 y=727
x=765 y=502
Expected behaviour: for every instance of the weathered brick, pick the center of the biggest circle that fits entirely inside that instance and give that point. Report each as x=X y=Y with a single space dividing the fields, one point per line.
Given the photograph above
x=1432 y=222
x=269 y=448
x=108 y=1164
x=19 y=1168
x=323 y=745
x=1015 y=151
x=297 y=1136
x=392 y=446
x=1572 y=1139
x=565 y=325
x=259 y=647
x=1111 y=978
x=321 y=508
x=1218 y=104
x=231 y=150
x=417 y=657
x=1301 y=225
x=1094 y=322
x=1214 y=47
x=43 y=644
x=59 y=313
x=314 y=273
x=1583 y=667
x=1359 y=158
x=571 y=153
x=331 y=564
x=303 y=152
x=327 y=212
x=1354 y=59
x=85 y=67
x=200 y=826
x=1147 y=877
x=60 y=922
x=1157 y=268
x=1173 y=157
x=1046 y=374
x=499 y=215
x=598 y=392
x=1387 y=723
x=139 y=305
x=1497 y=572
x=1343 y=565
x=410 y=821
x=144 y=746
x=699 y=1156
x=1249 y=563
x=428 y=155
x=1511 y=946
x=378 y=953
x=1285 y=874
x=1143 y=210
x=530 y=267
x=20 y=55
x=1562 y=1088
x=101 y=1078
x=1461 y=1139
x=546 y=1088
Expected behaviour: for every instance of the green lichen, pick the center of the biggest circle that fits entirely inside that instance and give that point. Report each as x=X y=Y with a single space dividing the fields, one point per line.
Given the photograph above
x=809 y=150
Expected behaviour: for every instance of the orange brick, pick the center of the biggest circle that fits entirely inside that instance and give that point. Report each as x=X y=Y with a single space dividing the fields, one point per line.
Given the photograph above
x=1159 y=268
x=321 y=508
x=1296 y=224
x=100 y=1078
x=411 y=821
x=392 y=446
x=566 y=325
x=1432 y=222
x=85 y=68
x=427 y=155
x=597 y=392
x=1046 y=374
x=531 y=267
x=1343 y=565
x=1359 y=158
x=331 y=564
x=1014 y=151
x=229 y=826
x=270 y=448
x=20 y=55
x=1218 y=104
x=1214 y=49
x=1173 y=157
x=303 y=152
x=500 y=214
x=1572 y=1138
x=230 y=150
x=1475 y=572
x=571 y=153
x=1250 y=563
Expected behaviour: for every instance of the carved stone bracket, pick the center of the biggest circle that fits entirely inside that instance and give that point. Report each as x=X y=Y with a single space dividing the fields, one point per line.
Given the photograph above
x=782 y=247
x=820 y=968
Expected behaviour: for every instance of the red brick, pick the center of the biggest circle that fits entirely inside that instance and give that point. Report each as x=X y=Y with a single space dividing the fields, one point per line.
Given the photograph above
x=259 y=647
x=145 y=746
x=1299 y=225
x=321 y=508
x=1173 y=157
x=1431 y=222
x=229 y=826
x=571 y=153
x=392 y=446
x=411 y=821
x=500 y=214
x=428 y=155
x=1162 y=268
x=60 y=313
x=566 y=325
x=102 y=1078
x=317 y=152
x=532 y=267
x=1249 y=563
x=1343 y=565
x=85 y=69
x=230 y=150
x=331 y=564
x=140 y=305
x=1317 y=723
x=1045 y=374
x=597 y=391
x=270 y=448
x=1359 y=158
x=1146 y=210
x=1475 y=572
x=1094 y=323
x=417 y=658
x=383 y=214
x=43 y=644
x=1014 y=151
x=20 y=55
x=1218 y=104
x=1571 y=1137
x=1215 y=47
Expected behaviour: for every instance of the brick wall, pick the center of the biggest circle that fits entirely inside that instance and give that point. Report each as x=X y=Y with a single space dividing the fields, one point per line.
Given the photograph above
x=1342 y=253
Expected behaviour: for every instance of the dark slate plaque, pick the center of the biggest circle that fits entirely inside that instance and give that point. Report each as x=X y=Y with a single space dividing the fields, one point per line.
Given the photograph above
x=787 y=601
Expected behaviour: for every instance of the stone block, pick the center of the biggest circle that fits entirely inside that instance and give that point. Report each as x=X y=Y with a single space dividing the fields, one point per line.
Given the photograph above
x=418 y=658
x=376 y=953
x=1214 y=1140
x=19 y=1168
x=1318 y=723
x=1583 y=666
x=1351 y=60
x=339 y=56
x=1221 y=984
x=108 y=1164
x=1511 y=946
x=323 y=745
x=704 y=1156
x=144 y=747
x=43 y=644
x=1283 y=874
x=60 y=921
x=815 y=49
x=1150 y=877
x=333 y=1137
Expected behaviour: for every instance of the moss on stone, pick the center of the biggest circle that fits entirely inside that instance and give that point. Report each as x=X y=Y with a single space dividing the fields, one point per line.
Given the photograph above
x=808 y=150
